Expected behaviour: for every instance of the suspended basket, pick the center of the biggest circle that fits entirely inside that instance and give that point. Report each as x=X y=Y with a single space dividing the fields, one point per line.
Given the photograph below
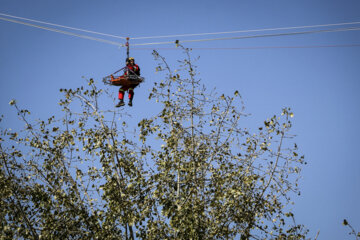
x=123 y=80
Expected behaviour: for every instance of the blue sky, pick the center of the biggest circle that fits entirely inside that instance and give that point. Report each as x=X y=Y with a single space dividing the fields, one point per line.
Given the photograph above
x=320 y=84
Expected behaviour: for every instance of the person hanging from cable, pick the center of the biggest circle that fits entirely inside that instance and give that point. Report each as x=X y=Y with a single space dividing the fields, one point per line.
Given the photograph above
x=132 y=71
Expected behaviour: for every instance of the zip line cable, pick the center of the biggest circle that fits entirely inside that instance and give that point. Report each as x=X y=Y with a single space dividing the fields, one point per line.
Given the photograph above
x=172 y=42
x=183 y=35
x=251 y=48
x=64 y=32
x=253 y=36
x=57 y=25
x=247 y=31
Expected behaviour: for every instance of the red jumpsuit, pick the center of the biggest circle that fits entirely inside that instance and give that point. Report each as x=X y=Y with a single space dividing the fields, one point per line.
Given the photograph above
x=131 y=70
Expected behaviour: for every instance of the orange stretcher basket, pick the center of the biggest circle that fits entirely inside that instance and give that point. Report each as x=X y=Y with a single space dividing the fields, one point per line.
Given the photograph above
x=123 y=80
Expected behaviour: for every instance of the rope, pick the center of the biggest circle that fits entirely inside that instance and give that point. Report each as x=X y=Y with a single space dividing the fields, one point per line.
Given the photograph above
x=119 y=70
x=127 y=48
x=64 y=32
x=247 y=31
x=57 y=25
x=253 y=36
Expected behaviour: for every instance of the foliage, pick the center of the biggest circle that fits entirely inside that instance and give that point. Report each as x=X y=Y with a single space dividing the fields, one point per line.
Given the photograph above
x=189 y=172
x=352 y=232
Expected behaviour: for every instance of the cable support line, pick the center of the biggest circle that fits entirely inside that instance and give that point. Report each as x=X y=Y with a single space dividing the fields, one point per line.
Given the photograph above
x=251 y=48
x=248 y=31
x=64 y=32
x=62 y=26
x=252 y=36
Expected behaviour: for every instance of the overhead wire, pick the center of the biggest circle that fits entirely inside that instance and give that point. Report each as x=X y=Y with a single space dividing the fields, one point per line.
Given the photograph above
x=182 y=41
x=62 y=26
x=248 y=31
x=64 y=32
x=246 y=48
x=252 y=36
x=183 y=35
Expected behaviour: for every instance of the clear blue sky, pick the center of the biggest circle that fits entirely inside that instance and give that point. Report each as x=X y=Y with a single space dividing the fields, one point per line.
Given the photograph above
x=321 y=84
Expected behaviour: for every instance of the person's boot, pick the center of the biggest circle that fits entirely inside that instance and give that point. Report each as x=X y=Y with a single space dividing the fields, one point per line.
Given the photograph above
x=121 y=103
x=130 y=103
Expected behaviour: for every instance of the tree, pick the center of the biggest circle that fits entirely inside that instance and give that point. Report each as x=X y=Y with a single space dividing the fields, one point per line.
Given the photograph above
x=352 y=232
x=189 y=172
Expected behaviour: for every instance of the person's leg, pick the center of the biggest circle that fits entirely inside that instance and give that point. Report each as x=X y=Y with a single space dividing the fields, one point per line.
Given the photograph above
x=131 y=96
x=121 y=97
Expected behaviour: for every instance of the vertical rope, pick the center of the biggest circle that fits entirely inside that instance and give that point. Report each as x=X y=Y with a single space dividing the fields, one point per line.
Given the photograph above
x=127 y=47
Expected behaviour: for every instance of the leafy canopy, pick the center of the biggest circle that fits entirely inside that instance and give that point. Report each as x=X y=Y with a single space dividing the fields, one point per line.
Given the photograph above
x=190 y=171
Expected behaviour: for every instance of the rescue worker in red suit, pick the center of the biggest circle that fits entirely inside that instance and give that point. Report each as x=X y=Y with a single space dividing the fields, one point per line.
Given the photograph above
x=131 y=69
